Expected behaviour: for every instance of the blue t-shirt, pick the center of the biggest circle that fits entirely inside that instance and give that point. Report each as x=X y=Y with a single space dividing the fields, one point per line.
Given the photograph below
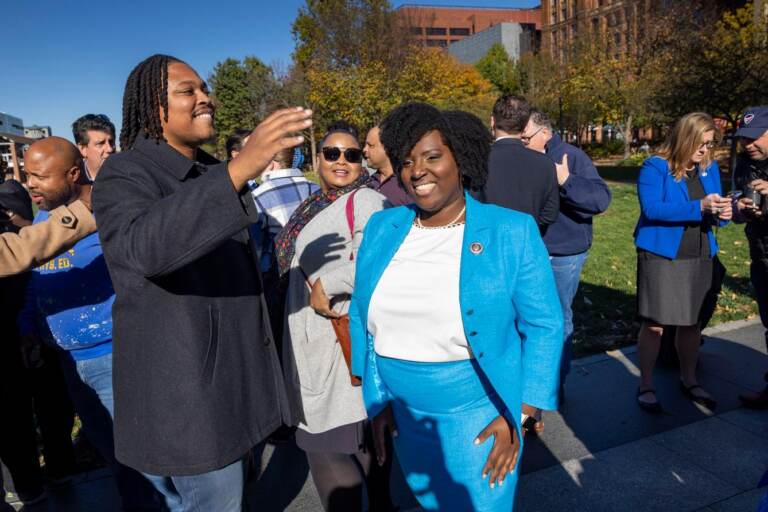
x=69 y=300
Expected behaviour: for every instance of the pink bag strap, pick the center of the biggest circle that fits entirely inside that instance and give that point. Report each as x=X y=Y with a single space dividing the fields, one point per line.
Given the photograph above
x=350 y=211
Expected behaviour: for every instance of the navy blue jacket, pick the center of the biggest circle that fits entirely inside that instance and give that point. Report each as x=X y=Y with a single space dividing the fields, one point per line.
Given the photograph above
x=583 y=195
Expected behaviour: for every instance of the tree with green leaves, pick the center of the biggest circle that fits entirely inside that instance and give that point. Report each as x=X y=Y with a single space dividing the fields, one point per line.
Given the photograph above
x=496 y=67
x=244 y=92
x=336 y=34
x=720 y=67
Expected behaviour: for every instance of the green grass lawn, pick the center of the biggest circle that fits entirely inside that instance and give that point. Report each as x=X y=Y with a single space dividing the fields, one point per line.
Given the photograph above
x=605 y=308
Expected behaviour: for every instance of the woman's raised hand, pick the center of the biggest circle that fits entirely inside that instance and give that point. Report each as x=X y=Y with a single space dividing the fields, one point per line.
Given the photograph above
x=506 y=448
x=276 y=132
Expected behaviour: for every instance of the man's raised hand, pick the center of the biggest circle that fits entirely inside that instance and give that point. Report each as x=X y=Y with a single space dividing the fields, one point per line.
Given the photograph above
x=276 y=132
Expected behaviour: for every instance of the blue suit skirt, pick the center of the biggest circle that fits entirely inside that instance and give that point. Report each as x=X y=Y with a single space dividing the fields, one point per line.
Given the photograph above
x=439 y=409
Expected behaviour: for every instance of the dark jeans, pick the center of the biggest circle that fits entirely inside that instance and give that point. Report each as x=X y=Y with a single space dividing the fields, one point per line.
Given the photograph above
x=26 y=394
x=90 y=387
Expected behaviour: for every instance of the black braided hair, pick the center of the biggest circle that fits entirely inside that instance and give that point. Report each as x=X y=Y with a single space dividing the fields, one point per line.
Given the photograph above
x=464 y=134
x=146 y=90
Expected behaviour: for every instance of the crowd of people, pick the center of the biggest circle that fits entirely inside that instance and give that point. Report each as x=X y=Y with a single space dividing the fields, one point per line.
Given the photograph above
x=414 y=307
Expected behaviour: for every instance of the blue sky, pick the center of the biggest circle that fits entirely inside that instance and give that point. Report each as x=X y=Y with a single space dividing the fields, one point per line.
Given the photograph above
x=62 y=59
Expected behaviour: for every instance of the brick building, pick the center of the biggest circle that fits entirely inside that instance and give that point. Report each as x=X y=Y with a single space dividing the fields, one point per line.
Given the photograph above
x=621 y=21
x=442 y=25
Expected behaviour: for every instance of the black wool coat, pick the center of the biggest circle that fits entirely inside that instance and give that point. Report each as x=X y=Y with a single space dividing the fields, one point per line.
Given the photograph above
x=197 y=380
x=522 y=179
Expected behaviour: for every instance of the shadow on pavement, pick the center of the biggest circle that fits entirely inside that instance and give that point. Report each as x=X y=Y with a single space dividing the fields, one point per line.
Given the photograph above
x=618 y=457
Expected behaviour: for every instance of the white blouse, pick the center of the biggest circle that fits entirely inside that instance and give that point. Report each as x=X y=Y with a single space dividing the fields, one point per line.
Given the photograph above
x=414 y=313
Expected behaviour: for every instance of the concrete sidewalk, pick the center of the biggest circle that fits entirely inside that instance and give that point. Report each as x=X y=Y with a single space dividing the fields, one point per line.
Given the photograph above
x=602 y=453
x=599 y=453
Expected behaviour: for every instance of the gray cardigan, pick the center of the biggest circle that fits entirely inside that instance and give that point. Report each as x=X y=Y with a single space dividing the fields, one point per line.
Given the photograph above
x=309 y=343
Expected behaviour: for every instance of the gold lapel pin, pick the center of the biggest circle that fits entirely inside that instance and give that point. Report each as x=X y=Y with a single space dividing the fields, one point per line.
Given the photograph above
x=476 y=248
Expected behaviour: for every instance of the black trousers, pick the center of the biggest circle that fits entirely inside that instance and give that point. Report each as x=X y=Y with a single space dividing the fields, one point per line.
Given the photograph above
x=34 y=398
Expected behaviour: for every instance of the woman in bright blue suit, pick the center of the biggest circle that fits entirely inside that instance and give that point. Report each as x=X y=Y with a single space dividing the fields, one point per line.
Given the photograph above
x=455 y=318
x=680 y=203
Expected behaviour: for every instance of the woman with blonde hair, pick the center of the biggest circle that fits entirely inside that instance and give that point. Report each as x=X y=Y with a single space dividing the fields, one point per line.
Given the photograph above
x=679 y=192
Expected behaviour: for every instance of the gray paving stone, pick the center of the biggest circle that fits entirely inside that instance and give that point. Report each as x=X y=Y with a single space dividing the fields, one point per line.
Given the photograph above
x=642 y=476
x=755 y=421
x=744 y=502
x=731 y=453
x=601 y=412
x=739 y=359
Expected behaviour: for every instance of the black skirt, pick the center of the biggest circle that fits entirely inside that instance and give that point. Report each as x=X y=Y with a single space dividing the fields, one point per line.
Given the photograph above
x=671 y=292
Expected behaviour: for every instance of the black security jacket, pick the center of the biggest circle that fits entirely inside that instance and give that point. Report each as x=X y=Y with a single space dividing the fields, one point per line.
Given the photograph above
x=197 y=380
x=757 y=227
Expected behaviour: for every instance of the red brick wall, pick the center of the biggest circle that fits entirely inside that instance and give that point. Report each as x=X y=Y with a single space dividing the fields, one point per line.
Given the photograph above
x=475 y=20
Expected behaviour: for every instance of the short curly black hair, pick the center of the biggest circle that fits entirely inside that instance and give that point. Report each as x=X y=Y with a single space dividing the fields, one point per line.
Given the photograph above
x=465 y=135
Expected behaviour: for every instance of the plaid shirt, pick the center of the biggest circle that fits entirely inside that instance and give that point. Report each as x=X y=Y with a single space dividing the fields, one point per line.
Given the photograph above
x=280 y=193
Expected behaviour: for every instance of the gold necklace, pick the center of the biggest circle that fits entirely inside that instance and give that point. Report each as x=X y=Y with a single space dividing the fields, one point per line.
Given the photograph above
x=454 y=222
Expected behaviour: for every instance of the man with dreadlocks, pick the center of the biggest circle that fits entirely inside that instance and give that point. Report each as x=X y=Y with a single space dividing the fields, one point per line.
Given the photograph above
x=197 y=380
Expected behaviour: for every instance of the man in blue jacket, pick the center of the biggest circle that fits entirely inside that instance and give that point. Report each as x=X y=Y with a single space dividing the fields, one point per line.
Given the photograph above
x=69 y=303
x=583 y=194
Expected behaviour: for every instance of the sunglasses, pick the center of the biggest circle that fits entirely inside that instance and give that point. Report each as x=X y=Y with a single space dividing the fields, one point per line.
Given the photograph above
x=351 y=155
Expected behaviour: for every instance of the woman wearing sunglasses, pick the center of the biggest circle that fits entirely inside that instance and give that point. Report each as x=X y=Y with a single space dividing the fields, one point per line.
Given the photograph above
x=679 y=191
x=316 y=256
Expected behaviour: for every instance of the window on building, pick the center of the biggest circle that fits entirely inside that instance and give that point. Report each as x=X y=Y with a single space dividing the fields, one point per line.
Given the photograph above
x=416 y=31
x=574 y=30
x=437 y=43
x=574 y=7
x=459 y=31
x=617 y=38
x=436 y=31
x=595 y=25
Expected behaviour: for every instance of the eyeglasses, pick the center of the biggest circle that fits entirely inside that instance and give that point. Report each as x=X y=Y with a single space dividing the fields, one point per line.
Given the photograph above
x=527 y=138
x=708 y=145
x=351 y=155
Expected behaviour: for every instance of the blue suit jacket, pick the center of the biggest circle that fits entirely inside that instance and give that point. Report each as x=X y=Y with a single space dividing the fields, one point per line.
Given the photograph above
x=665 y=207
x=510 y=308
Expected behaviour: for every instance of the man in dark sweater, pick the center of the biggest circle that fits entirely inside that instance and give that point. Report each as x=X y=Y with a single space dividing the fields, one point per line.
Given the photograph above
x=582 y=194
x=519 y=178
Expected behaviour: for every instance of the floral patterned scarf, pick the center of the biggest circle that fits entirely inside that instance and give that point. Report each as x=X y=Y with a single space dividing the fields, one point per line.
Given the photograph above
x=285 y=241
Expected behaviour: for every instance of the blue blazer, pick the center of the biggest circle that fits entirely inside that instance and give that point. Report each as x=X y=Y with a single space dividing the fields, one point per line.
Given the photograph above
x=509 y=305
x=665 y=207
